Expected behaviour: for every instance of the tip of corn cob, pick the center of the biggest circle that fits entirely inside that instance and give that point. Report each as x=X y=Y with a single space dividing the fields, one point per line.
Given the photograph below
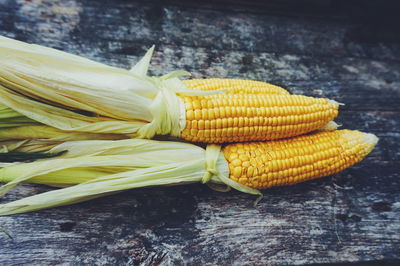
x=261 y=165
x=364 y=141
x=335 y=103
x=332 y=125
x=371 y=139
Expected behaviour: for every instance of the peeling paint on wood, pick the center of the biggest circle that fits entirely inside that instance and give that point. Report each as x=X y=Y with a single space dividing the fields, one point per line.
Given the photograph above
x=349 y=217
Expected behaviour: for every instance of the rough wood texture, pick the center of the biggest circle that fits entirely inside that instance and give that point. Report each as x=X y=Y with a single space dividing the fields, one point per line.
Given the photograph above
x=349 y=217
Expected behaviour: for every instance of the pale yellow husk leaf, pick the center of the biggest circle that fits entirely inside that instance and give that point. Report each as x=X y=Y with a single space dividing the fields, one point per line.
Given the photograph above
x=73 y=93
x=95 y=168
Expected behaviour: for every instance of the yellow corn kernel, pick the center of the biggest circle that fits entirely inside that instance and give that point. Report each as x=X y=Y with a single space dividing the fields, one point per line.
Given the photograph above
x=234 y=86
x=288 y=164
x=252 y=117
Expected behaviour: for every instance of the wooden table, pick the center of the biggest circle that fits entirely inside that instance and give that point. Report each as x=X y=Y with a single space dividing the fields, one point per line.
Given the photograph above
x=353 y=216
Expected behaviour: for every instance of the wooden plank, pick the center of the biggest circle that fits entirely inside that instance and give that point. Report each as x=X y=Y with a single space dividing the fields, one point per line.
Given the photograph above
x=132 y=24
x=350 y=217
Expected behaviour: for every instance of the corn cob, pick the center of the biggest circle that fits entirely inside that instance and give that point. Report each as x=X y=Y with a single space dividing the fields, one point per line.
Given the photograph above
x=234 y=86
x=261 y=165
x=92 y=168
x=75 y=94
x=248 y=117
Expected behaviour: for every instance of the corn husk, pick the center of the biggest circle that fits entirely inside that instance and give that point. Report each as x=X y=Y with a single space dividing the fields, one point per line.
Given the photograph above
x=94 y=168
x=10 y=157
x=11 y=118
x=73 y=93
x=40 y=138
x=46 y=132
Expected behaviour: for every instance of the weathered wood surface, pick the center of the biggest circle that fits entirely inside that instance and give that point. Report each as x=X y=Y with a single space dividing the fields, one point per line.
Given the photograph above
x=349 y=217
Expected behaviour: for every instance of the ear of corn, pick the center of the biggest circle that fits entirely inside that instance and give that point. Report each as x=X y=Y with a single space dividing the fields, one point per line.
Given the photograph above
x=97 y=168
x=234 y=86
x=247 y=117
x=286 y=162
x=72 y=93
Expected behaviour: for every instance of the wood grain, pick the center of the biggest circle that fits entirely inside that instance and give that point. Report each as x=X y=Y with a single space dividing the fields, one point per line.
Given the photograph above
x=350 y=217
